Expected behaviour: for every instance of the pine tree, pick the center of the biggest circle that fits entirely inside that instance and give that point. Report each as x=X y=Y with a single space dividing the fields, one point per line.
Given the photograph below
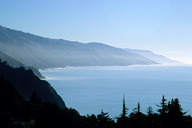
x=124 y=111
x=123 y=120
x=163 y=112
x=149 y=117
x=163 y=107
x=103 y=120
x=175 y=114
x=149 y=111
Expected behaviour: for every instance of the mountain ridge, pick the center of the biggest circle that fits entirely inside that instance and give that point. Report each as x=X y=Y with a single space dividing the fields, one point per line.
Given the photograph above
x=27 y=83
x=16 y=64
x=153 y=56
x=42 y=53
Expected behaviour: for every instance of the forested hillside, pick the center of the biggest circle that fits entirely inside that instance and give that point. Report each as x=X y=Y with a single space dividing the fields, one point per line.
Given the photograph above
x=26 y=83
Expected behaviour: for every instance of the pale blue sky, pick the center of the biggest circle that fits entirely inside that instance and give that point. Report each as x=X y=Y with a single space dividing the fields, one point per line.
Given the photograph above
x=163 y=26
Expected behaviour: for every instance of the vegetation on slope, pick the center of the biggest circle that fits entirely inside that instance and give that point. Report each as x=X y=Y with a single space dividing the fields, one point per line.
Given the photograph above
x=27 y=83
x=16 y=64
x=15 y=112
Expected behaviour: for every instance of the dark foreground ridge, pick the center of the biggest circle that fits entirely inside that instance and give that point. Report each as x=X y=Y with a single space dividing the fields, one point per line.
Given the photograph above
x=16 y=64
x=28 y=103
x=16 y=112
x=26 y=83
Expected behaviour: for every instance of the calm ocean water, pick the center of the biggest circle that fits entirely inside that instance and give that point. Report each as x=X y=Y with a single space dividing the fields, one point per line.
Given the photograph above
x=91 y=89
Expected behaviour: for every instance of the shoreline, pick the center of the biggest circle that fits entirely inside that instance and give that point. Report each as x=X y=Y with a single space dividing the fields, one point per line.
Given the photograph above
x=67 y=67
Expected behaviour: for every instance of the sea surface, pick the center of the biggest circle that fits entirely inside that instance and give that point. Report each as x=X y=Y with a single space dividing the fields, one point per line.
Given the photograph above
x=92 y=89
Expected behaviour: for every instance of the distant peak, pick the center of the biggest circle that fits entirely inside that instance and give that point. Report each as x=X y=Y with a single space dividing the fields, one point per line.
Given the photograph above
x=96 y=43
x=2 y=27
x=93 y=43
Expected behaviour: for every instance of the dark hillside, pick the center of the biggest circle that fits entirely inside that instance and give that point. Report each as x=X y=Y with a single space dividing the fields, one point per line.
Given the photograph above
x=27 y=83
x=16 y=64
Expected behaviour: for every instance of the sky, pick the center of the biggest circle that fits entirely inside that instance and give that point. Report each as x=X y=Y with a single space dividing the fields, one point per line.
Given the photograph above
x=162 y=26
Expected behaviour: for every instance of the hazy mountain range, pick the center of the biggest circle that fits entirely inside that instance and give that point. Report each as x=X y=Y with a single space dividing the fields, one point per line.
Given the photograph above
x=41 y=52
x=155 y=57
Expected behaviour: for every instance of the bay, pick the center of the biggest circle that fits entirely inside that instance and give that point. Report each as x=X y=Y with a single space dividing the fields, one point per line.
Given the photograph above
x=92 y=89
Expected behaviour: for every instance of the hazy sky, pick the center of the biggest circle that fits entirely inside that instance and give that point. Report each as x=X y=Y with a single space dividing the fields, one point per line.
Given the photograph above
x=163 y=26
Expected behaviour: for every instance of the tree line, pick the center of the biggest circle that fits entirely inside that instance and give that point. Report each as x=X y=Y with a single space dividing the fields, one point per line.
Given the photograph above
x=16 y=112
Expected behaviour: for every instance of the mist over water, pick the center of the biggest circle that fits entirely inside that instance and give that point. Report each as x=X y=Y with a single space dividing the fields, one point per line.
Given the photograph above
x=91 y=89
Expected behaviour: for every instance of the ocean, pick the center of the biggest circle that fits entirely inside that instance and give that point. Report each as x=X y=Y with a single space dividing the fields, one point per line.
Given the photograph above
x=90 y=90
